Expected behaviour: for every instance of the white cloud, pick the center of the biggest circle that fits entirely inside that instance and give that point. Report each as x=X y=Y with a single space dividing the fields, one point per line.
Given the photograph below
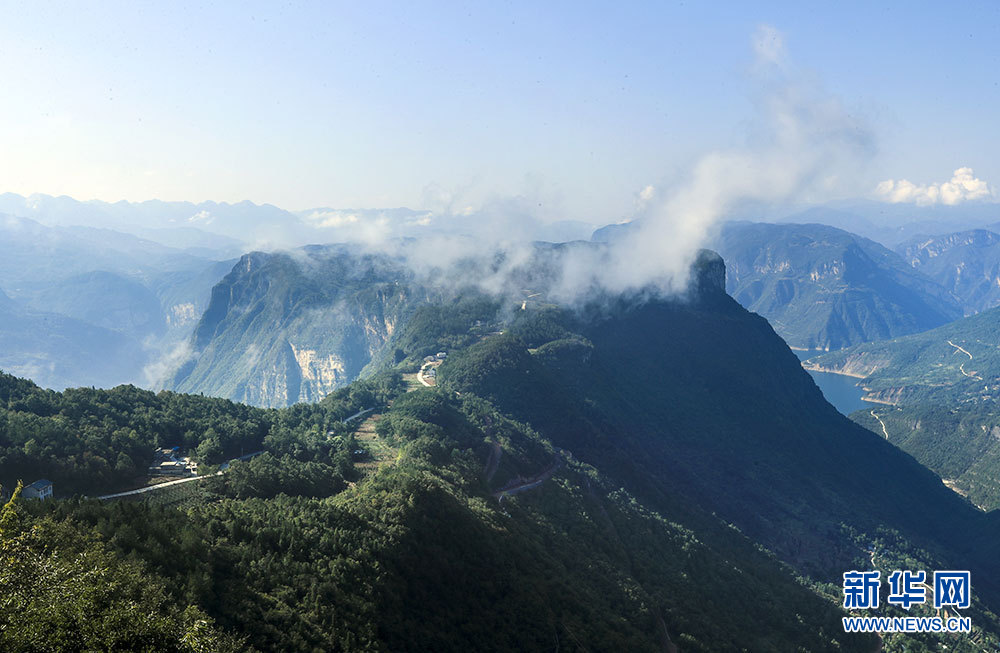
x=802 y=141
x=962 y=187
x=768 y=45
x=331 y=219
x=202 y=216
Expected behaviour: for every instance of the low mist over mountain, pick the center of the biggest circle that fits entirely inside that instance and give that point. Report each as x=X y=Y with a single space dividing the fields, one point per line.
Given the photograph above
x=145 y=270
x=824 y=288
x=294 y=326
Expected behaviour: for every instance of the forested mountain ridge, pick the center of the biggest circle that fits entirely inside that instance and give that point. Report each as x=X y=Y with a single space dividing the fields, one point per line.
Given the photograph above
x=422 y=555
x=638 y=474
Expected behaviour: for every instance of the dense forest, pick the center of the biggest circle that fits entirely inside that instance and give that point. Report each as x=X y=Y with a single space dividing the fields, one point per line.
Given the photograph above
x=93 y=442
x=422 y=556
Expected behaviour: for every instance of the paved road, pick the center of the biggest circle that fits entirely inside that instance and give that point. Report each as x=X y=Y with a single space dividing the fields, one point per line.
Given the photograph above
x=357 y=415
x=158 y=486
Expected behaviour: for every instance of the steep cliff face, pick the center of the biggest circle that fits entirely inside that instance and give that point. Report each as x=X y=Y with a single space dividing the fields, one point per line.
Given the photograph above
x=284 y=328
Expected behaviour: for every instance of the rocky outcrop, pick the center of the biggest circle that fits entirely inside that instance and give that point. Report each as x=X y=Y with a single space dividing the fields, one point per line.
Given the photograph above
x=284 y=328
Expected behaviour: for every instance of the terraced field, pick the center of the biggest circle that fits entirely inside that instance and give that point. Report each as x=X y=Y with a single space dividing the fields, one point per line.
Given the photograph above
x=379 y=452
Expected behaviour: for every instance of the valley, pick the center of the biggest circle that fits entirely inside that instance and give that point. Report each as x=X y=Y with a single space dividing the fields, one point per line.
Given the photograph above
x=841 y=390
x=940 y=391
x=539 y=420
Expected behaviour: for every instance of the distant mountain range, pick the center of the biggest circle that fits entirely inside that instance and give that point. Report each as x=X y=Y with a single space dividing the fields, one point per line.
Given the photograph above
x=825 y=288
x=967 y=263
x=892 y=224
x=145 y=270
x=224 y=230
x=90 y=306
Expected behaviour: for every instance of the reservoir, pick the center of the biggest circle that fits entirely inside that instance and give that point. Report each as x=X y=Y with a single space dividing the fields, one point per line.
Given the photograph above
x=838 y=389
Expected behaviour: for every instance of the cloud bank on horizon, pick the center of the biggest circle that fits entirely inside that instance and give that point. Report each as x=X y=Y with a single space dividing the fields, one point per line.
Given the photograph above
x=963 y=186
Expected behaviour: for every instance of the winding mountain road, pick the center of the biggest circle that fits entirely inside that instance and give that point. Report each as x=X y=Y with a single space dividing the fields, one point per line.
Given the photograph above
x=523 y=484
x=961 y=368
x=357 y=415
x=884 y=431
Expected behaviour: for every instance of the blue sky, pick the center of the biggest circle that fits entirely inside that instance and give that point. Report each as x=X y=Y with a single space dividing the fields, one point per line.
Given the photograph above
x=580 y=105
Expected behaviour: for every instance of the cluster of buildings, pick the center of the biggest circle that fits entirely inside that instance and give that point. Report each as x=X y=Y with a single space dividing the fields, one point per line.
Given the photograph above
x=429 y=369
x=170 y=462
x=165 y=461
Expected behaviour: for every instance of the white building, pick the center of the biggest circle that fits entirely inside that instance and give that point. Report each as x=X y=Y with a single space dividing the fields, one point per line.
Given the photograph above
x=40 y=489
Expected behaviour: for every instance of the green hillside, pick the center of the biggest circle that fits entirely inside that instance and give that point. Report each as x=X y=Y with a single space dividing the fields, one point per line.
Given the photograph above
x=937 y=398
x=824 y=288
